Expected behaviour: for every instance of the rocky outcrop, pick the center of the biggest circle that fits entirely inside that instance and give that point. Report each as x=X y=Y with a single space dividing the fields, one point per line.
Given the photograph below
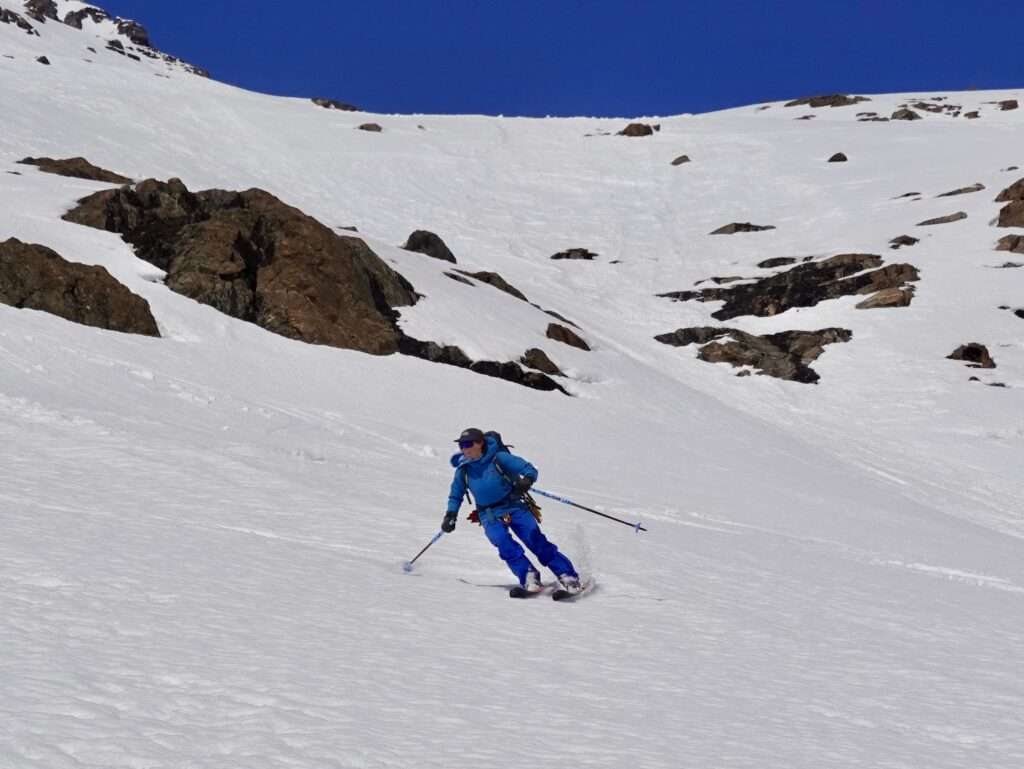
x=785 y=355
x=75 y=18
x=972 y=115
x=251 y=256
x=36 y=278
x=454 y=356
x=566 y=336
x=888 y=297
x=962 y=191
x=905 y=114
x=732 y=229
x=334 y=104
x=494 y=279
x=1012 y=243
x=41 y=10
x=959 y=215
x=76 y=168
x=10 y=17
x=637 y=129
x=1012 y=214
x=426 y=242
x=829 y=100
x=536 y=358
x=839 y=157
x=1014 y=192
x=43 y=60
x=134 y=32
x=779 y=261
x=974 y=354
x=371 y=127
x=903 y=240
x=804 y=286
x=1008 y=104
x=575 y=253
x=681 y=160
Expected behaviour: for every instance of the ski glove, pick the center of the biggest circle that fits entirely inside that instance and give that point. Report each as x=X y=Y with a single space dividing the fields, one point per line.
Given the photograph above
x=448 y=524
x=522 y=484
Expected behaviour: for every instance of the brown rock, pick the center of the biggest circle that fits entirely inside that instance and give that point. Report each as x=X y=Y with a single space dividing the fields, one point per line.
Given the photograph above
x=10 y=17
x=253 y=257
x=76 y=168
x=75 y=18
x=1012 y=214
x=566 y=336
x=1012 y=243
x=976 y=355
x=680 y=160
x=36 y=278
x=426 y=242
x=134 y=32
x=43 y=60
x=333 y=104
x=371 y=127
x=962 y=191
x=1014 y=192
x=778 y=261
x=830 y=100
x=575 y=253
x=731 y=229
x=637 y=129
x=943 y=219
x=905 y=114
x=41 y=10
x=973 y=115
x=538 y=359
x=494 y=279
x=888 y=297
x=902 y=240
x=839 y=157
x=1008 y=104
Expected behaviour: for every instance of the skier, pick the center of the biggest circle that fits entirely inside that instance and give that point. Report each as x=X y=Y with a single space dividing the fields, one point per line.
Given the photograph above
x=498 y=481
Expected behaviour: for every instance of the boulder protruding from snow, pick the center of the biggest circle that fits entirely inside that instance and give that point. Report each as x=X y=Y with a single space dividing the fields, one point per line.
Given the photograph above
x=732 y=229
x=948 y=218
x=536 y=358
x=785 y=355
x=494 y=279
x=76 y=168
x=575 y=253
x=566 y=336
x=902 y=240
x=905 y=114
x=839 y=157
x=371 y=127
x=829 y=100
x=1014 y=192
x=637 y=129
x=681 y=160
x=1011 y=243
x=430 y=244
x=962 y=190
x=976 y=355
x=335 y=104
x=10 y=17
x=454 y=356
x=37 y=278
x=41 y=10
x=255 y=258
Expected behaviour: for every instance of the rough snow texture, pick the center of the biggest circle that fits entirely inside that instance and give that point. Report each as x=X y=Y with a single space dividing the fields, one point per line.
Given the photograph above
x=202 y=534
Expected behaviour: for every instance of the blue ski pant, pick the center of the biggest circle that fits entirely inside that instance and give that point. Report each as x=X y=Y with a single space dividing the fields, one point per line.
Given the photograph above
x=525 y=527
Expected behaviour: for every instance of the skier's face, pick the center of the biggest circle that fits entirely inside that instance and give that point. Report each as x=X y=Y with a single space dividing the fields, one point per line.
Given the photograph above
x=473 y=451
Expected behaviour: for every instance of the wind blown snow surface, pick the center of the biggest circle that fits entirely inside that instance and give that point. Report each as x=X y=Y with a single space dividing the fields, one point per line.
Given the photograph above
x=201 y=536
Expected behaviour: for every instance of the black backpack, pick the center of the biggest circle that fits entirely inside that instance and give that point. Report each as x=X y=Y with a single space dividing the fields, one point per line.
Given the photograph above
x=502 y=446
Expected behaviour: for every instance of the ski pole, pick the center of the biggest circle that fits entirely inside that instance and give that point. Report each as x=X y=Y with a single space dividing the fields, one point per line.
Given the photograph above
x=407 y=566
x=636 y=526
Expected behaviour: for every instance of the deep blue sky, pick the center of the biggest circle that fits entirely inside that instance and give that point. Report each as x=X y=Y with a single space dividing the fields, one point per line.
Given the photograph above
x=605 y=57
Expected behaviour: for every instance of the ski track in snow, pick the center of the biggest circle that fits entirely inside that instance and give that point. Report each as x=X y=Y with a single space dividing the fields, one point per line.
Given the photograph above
x=202 y=535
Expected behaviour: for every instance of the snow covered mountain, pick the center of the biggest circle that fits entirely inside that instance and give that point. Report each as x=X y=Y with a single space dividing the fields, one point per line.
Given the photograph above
x=203 y=530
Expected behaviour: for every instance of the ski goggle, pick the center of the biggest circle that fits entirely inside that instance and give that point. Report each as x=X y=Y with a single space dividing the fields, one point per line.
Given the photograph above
x=466 y=444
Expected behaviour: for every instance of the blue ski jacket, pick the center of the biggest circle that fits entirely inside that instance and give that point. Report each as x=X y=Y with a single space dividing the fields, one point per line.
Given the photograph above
x=489 y=489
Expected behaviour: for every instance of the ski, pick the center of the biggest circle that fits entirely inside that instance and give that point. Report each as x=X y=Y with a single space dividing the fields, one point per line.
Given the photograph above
x=565 y=595
x=522 y=592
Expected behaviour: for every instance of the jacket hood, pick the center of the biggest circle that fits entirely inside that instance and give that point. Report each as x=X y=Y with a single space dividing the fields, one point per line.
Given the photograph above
x=491 y=448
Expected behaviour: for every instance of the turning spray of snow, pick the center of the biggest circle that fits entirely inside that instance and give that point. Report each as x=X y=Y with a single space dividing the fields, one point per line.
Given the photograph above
x=202 y=535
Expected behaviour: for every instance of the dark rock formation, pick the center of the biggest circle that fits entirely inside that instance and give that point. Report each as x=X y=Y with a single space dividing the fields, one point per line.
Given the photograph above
x=962 y=190
x=907 y=195
x=974 y=354
x=902 y=240
x=888 y=297
x=943 y=219
x=75 y=18
x=973 y=115
x=575 y=253
x=785 y=355
x=1014 y=192
x=1009 y=266
x=371 y=127
x=41 y=10
x=10 y=17
x=830 y=100
x=426 y=242
x=43 y=60
x=459 y=278
x=731 y=229
x=778 y=261
x=637 y=129
x=1008 y=104
x=536 y=358
x=1012 y=214
x=134 y=32
x=905 y=114
x=1012 y=243
x=839 y=157
x=494 y=279
x=453 y=356
x=251 y=256
x=36 y=278
x=566 y=336
x=680 y=160
x=334 y=104
x=804 y=286
x=76 y=168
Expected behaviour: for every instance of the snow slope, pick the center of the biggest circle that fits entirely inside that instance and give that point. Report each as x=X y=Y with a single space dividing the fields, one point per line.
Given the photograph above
x=202 y=534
